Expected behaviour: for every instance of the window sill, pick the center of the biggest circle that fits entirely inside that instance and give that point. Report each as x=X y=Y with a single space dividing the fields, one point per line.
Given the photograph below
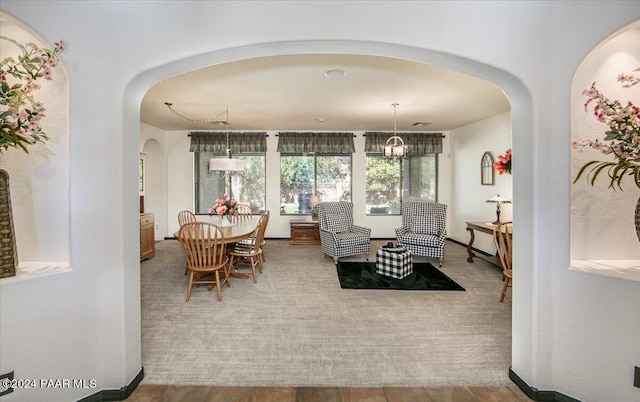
x=37 y=269
x=623 y=269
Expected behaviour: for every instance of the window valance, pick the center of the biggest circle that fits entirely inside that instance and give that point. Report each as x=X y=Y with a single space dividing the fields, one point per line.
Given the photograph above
x=419 y=143
x=315 y=142
x=239 y=142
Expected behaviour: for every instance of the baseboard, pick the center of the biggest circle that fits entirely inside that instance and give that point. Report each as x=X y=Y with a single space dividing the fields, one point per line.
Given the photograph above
x=536 y=394
x=475 y=250
x=116 y=394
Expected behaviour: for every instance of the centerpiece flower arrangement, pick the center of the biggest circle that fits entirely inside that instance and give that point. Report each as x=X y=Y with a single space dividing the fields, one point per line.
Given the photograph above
x=20 y=116
x=621 y=141
x=225 y=207
x=20 y=113
x=503 y=164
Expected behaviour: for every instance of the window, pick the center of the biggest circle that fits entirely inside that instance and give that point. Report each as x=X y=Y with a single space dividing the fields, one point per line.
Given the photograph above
x=389 y=182
x=301 y=176
x=248 y=186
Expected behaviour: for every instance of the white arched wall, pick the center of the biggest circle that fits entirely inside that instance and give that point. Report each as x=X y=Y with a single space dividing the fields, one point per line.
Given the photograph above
x=572 y=332
x=602 y=221
x=155 y=185
x=521 y=130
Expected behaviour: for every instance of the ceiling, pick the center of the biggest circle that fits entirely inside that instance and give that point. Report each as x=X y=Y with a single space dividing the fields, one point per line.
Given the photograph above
x=292 y=93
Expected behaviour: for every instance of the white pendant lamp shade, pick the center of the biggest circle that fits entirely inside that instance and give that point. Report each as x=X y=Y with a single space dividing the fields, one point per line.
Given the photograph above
x=226 y=164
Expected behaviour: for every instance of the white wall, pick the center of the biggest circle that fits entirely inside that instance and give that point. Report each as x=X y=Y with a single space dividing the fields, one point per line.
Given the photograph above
x=152 y=141
x=468 y=201
x=118 y=50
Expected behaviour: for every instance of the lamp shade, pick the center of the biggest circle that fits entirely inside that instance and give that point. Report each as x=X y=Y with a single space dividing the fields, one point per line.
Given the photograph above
x=314 y=200
x=499 y=200
x=226 y=164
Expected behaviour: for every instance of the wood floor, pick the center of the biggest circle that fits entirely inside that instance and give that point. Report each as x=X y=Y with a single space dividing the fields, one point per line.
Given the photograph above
x=164 y=393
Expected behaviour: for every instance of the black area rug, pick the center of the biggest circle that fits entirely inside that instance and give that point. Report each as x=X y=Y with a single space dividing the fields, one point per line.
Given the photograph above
x=362 y=275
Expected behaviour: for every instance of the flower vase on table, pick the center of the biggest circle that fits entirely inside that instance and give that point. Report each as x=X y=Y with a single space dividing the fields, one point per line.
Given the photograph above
x=225 y=208
x=225 y=221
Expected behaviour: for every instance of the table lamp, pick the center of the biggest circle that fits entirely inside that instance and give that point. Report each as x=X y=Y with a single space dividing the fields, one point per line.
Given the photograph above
x=498 y=200
x=313 y=201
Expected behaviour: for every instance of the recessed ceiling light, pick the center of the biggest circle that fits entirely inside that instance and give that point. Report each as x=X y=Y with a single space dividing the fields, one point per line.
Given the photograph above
x=421 y=123
x=320 y=119
x=335 y=73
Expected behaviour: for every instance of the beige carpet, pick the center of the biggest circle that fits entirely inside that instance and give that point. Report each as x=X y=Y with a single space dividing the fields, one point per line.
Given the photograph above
x=297 y=327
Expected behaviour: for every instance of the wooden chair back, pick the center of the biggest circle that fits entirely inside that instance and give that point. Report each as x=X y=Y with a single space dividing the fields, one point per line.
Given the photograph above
x=204 y=248
x=185 y=217
x=203 y=245
x=244 y=213
x=502 y=237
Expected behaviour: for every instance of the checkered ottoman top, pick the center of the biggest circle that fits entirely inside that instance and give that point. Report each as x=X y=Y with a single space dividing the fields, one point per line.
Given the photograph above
x=394 y=262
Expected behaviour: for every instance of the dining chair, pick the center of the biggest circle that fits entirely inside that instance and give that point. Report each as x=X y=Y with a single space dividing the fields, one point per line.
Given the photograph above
x=243 y=213
x=502 y=236
x=250 y=251
x=185 y=217
x=204 y=248
x=267 y=214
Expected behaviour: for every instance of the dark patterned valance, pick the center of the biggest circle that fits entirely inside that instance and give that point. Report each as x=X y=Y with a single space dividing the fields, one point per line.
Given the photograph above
x=216 y=142
x=419 y=143
x=320 y=143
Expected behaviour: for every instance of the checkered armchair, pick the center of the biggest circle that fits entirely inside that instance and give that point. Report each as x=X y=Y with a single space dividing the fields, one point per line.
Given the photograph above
x=339 y=237
x=423 y=229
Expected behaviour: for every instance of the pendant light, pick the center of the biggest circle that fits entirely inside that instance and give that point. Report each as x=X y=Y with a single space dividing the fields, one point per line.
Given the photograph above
x=395 y=147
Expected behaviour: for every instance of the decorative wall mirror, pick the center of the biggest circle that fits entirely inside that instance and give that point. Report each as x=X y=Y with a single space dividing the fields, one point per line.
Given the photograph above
x=487 y=174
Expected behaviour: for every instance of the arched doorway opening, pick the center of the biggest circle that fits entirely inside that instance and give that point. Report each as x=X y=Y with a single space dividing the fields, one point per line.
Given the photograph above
x=521 y=132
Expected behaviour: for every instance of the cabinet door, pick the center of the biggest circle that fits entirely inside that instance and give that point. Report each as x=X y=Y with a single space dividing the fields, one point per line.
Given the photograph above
x=147 y=237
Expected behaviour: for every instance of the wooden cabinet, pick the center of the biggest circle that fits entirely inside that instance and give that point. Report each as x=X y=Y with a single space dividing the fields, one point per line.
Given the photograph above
x=304 y=232
x=147 y=236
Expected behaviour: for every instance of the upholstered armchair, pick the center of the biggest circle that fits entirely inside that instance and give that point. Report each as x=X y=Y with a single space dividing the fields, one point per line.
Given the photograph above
x=339 y=237
x=423 y=229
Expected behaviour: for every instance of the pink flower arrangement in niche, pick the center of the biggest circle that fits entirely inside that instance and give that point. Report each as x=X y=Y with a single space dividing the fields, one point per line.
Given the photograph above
x=503 y=164
x=226 y=206
x=20 y=113
x=621 y=141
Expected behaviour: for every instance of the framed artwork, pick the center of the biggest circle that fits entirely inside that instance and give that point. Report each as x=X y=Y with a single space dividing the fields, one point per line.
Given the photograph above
x=487 y=174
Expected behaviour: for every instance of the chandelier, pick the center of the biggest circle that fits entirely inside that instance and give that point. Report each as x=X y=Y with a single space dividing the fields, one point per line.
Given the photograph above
x=395 y=147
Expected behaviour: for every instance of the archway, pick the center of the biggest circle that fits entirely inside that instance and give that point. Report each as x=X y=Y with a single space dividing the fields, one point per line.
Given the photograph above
x=521 y=134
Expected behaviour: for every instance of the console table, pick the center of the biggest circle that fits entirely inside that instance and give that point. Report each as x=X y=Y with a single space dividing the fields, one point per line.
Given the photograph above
x=304 y=232
x=483 y=228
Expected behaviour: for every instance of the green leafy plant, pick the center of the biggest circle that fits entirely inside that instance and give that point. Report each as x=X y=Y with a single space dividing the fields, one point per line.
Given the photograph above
x=20 y=113
x=621 y=141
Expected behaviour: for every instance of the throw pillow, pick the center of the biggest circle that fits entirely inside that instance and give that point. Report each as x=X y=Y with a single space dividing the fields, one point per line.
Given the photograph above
x=425 y=225
x=337 y=223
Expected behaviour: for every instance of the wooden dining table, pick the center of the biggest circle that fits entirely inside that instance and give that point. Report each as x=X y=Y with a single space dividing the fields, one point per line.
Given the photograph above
x=242 y=228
